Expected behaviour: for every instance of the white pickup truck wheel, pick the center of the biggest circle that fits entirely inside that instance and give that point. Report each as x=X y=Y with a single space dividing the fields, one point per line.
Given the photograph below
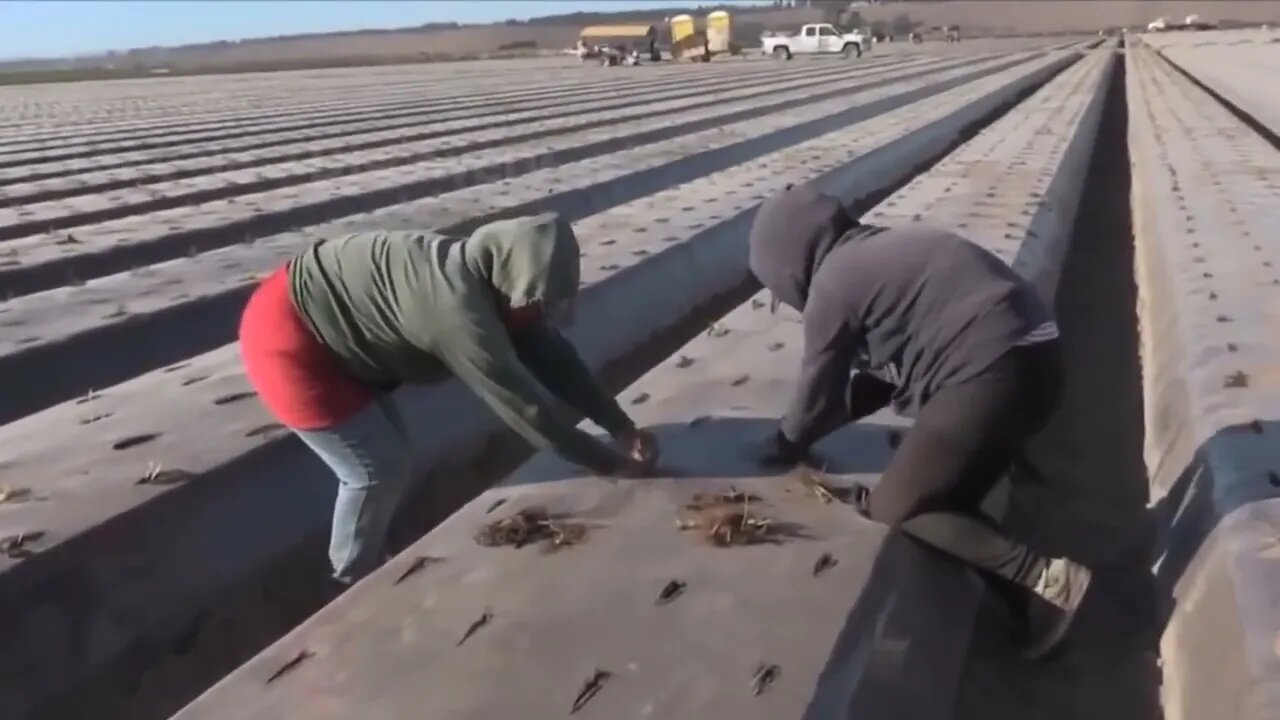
x=851 y=50
x=782 y=52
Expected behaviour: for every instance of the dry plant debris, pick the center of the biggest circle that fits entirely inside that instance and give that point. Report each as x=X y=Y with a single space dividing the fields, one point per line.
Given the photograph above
x=1236 y=379
x=739 y=528
x=415 y=565
x=589 y=689
x=727 y=519
x=288 y=667
x=15 y=546
x=528 y=526
x=815 y=482
x=9 y=494
x=824 y=563
x=478 y=623
x=766 y=673
x=157 y=475
x=670 y=592
x=733 y=496
x=717 y=329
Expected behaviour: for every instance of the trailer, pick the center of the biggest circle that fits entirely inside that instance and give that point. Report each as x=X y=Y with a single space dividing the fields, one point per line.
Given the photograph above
x=613 y=44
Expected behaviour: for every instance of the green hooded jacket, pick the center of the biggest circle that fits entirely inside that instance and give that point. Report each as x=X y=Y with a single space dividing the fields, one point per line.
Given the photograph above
x=408 y=306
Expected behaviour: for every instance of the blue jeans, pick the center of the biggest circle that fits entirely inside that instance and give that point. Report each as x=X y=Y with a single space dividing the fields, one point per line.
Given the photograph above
x=371 y=455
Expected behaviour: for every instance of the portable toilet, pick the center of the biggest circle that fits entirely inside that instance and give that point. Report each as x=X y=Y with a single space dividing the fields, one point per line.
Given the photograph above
x=686 y=42
x=681 y=28
x=718 y=32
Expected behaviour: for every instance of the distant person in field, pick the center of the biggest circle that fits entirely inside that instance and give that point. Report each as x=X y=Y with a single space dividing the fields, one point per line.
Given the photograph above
x=329 y=335
x=950 y=335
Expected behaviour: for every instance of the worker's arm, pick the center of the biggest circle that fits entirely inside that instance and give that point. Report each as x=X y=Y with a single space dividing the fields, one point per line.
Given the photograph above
x=820 y=403
x=557 y=365
x=477 y=349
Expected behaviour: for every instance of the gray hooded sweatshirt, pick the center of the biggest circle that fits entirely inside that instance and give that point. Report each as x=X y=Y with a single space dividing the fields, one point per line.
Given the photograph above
x=401 y=307
x=919 y=307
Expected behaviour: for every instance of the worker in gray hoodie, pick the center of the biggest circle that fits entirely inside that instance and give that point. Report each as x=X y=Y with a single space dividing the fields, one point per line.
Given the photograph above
x=945 y=331
x=328 y=335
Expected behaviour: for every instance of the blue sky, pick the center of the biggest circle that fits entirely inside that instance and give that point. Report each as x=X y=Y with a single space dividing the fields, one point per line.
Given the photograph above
x=51 y=28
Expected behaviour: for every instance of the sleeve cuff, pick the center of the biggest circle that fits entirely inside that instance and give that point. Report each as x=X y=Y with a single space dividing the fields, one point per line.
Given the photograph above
x=615 y=422
x=786 y=447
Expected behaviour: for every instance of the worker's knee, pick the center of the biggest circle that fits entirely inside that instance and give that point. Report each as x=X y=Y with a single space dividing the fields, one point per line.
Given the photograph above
x=888 y=510
x=896 y=506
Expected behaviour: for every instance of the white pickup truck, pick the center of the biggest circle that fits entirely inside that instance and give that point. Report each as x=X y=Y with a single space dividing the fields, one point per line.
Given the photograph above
x=813 y=39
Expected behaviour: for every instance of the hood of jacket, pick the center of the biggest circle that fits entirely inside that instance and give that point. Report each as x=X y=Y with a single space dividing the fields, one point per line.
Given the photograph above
x=792 y=233
x=532 y=259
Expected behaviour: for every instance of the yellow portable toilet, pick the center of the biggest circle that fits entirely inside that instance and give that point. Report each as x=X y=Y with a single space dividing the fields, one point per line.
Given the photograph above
x=718 y=32
x=686 y=42
x=681 y=28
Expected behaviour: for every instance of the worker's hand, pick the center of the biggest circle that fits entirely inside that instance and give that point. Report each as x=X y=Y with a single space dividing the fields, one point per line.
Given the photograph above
x=776 y=451
x=642 y=447
x=860 y=498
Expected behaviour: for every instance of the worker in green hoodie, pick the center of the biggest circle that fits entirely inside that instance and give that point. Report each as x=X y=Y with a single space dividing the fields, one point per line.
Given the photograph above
x=328 y=335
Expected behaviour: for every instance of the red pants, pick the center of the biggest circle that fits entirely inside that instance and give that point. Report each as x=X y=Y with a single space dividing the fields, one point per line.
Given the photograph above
x=297 y=378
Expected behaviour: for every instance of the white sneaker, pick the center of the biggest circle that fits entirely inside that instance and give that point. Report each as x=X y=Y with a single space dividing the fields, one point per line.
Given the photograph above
x=1062 y=585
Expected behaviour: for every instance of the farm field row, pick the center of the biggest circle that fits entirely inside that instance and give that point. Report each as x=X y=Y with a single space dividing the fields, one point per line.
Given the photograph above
x=136 y=217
